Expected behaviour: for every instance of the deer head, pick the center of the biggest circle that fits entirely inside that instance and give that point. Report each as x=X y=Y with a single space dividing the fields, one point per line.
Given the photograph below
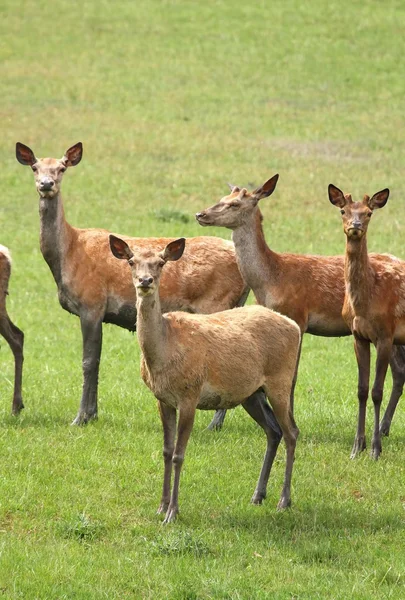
x=232 y=210
x=147 y=265
x=48 y=172
x=356 y=215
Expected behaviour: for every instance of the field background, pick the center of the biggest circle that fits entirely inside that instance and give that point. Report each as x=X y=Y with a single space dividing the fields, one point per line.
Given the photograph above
x=171 y=100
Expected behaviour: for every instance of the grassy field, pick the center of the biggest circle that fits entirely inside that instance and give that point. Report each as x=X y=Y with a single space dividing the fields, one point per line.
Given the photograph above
x=171 y=100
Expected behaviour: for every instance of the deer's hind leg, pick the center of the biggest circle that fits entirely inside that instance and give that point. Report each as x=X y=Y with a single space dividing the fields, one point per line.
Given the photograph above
x=263 y=415
x=279 y=398
x=15 y=339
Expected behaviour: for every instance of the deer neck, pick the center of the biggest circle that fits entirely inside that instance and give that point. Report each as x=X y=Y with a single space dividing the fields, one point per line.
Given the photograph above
x=55 y=234
x=151 y=329
x=258 y=264
x=358 y=275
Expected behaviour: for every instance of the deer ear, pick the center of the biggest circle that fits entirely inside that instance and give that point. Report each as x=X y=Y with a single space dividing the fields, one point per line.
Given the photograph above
x=24 y=154
x=119 y=248
x=74 y=155
x=379 y=199
x=174 y=250
x=266 y=189
x=336 y=196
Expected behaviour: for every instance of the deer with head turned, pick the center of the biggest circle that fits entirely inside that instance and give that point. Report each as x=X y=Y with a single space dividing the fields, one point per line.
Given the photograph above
x=13 y=336
x=200 y=361
x=97 y=288
x=374 y=306
x=308 y=289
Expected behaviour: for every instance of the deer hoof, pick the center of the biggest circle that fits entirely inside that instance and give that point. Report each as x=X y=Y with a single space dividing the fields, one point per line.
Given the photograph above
x=385 y=428
x=84 y=418
x=283 y=503
x=170 y=515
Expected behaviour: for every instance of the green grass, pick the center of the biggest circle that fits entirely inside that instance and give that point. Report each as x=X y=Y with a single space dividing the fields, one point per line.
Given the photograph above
x=171 y=100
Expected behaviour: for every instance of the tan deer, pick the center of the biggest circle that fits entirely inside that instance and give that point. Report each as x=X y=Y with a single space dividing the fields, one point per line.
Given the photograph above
x=97 y=288
x=308 y=289
x=13 y=336
x=374 y=306
x=210 y=361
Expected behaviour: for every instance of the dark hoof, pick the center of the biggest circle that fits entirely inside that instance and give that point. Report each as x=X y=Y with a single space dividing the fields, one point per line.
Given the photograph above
x=84 y=418
x=358 y=446
x=171 y=516
x=385 y=428
x=17 y=409
x=283 y=503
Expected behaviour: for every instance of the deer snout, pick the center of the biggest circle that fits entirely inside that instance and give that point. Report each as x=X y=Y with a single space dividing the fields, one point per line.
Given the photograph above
x=145 y=281
x=201 y=217
x=46 y=184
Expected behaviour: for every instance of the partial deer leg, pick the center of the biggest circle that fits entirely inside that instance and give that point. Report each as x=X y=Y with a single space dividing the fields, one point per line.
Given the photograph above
x=280 y=402
x=219 y=416
x=362 y=350
x=92 y=333
x=217 y=420
x=258 y=411
x=294 y=382
x=397 y=363
x=383 y=357
x=185 y=425
x=168 y=417
x=15 y=338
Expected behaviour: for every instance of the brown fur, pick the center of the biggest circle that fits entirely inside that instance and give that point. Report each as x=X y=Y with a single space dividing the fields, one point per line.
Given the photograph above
x=199 y=361
x=374 y=306
x=13 y=336
x=97 y=288
x=308 y=289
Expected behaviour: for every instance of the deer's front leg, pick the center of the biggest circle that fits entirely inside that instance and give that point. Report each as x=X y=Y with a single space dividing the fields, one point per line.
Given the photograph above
x=92 y=333
x=362 y=350
x=383 y=358
x=185 y=425
x=168 y=417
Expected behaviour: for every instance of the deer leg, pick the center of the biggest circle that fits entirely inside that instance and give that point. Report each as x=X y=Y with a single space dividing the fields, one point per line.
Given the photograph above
x=217 y=420
x=383 y=357
x=168 y=417
x=185 y=425
x=259 y=412
x=294 y=381
x=362 y=350
x=280 y=402
x=397 y=363
x=92 y=333
x=15 y=339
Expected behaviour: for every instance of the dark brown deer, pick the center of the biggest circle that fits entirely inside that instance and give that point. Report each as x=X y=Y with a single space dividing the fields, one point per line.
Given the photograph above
x=201 y=361
x=97 y=288
x=308 y=289
x=13 y=336
x=374 y=306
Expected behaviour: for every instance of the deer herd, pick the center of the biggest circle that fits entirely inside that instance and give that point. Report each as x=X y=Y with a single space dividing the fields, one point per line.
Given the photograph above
x=195 y=351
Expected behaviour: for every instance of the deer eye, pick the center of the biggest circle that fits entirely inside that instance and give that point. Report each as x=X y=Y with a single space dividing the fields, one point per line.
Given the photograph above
x=62 y=170
x=131 y=262
x=342 y=212
x=234 y=204
x=369 y=214
x=34 y=168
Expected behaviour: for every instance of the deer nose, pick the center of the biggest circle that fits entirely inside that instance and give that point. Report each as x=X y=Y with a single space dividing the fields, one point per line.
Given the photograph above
x=199 y=215
x=145 y=281
x=47 y=184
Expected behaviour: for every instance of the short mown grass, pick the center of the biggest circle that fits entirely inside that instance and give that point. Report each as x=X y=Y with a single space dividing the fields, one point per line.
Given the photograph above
x=173 y=99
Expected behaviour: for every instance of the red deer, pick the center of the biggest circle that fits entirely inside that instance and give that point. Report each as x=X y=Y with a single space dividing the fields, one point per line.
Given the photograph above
x=13 y=336
x=97 y=288
x=201 y=361
x=308 y=289
x=374 y=306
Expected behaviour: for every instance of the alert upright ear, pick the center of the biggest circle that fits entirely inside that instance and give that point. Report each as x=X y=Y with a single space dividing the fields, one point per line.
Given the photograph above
x=266 y=189
x=336 y=196
x=74 y=155
x=379 y=199
x=174 y=250
x=119 y=248
x=24 y=154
